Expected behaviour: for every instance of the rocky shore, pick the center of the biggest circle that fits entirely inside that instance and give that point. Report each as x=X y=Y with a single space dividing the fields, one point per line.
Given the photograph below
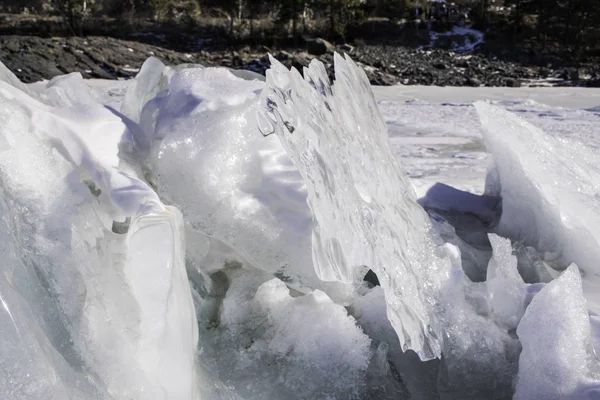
x=33 y=58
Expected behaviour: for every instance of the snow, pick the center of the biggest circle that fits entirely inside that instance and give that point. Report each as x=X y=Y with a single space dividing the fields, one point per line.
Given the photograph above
x=157 y=244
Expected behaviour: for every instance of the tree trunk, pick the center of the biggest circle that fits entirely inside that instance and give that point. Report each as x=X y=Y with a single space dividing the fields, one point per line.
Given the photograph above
x=331 y=19
x=294 y=27
x=252 y=23
x=304 y=12
x=240 y=9
x=568 y=24
x=579 y=33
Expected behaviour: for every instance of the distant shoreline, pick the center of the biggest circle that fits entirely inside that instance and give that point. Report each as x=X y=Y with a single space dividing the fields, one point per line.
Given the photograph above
x=32 y=58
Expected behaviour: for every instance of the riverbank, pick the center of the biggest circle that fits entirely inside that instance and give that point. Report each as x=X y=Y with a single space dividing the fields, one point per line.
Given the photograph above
x=34 y=58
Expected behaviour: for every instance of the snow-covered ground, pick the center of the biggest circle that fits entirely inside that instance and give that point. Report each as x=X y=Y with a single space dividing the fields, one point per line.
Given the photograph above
x=193 y=234
x=437 y=131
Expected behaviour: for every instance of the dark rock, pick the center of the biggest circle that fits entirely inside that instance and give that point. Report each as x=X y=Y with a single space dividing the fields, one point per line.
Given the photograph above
x=319 y=46
x=512 y=82
x=372 y=278
x=473 y=82
x=594 y=83
x=237 y=60
x=93 y=57
x=379 y=78
x=33 y=58
x=326 y=58
x=283 y=56
x=299 y=64
x=462 y=63
x=570 y=74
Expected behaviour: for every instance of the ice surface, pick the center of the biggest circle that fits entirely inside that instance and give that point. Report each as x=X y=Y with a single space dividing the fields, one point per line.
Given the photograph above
x=549 y=187
x=557 y=361
x=365 y=210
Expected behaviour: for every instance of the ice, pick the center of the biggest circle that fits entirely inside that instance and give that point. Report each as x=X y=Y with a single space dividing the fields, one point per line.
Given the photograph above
x=419 y=379
x=67 y=90
x=557 y=361
x=105 y=315
x=474 y=258
x=549 y=188
x=504 y=284
x=168 y=329
x=232 y=184
x=273 y=345
x=359 y=220
x=256 y=289
x=479 y=355
x=152 y=79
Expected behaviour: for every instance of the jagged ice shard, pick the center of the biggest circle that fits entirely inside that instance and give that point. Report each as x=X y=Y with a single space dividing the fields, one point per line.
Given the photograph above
x=557 y=361
x=363 y=204
x=550 y=190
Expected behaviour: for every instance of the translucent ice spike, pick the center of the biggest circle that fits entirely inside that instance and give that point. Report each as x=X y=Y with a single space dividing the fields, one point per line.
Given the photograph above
x=364 y=206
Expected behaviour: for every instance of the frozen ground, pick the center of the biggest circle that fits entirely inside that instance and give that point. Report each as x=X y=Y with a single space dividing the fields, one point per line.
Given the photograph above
x=192 y=234
x=437 y=131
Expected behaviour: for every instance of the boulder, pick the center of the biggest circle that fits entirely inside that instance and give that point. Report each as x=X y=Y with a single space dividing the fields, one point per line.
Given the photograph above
x=473 y=82
x=512 y=82
x=439 y=65
x=283 y=56
x=319 y=47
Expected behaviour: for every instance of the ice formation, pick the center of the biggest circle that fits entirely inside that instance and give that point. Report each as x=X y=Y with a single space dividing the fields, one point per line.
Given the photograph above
x=549 y=187
x=301 y=347
x=504 y=284
x=364 y=207
x=558 y=361
x=160 y=242
x=232 y=185
x=85 y=287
